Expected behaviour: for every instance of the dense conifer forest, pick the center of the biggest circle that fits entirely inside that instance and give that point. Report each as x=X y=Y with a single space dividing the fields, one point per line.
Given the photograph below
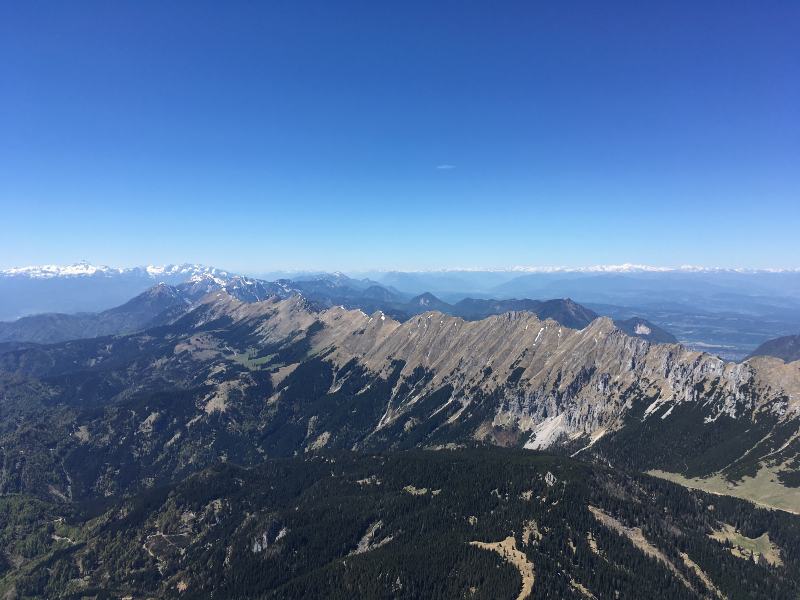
x=399 y=525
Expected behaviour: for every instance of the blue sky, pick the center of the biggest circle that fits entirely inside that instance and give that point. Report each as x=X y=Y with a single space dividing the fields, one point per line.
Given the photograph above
x=281 y=135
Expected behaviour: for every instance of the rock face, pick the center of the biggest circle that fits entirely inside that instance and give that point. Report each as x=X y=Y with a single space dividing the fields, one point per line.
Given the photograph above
x=514 y=379
x=240 y=381
x=549 y=383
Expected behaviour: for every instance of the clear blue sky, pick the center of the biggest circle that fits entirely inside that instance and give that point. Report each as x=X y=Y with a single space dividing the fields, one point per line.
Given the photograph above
x=268 y=135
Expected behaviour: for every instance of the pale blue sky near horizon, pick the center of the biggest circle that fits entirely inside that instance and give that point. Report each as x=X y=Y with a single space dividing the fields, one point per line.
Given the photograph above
x=415 y=135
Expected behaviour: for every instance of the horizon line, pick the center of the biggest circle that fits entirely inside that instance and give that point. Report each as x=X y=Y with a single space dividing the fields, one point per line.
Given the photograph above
x=85 y=268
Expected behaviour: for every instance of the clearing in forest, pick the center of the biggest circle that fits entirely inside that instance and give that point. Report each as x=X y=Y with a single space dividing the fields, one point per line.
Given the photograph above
x=744 y=547
x=508 y=550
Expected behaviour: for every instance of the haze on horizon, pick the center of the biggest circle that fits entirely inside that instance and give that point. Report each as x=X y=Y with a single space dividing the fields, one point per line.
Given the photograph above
x=85 y=267
x=260 y=137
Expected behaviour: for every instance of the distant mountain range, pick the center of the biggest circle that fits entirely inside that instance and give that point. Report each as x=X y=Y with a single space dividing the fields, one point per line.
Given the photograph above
x=139 y=313
x=163 y=302
x=728 y=312
x=85 y=269
x=725 y=311
x=156 y=305
x=83 y=287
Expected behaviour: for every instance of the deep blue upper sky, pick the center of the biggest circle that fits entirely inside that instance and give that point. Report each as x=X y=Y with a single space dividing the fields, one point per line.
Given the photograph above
x=357 y=135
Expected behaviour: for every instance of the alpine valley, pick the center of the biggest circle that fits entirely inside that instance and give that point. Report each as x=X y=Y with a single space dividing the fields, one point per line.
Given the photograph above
x=226 y=436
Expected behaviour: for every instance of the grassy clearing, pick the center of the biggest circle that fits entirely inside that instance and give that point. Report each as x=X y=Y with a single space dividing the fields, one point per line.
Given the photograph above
x=249 y=361
x=744 y=547
x=507 y=548
x=765 y=489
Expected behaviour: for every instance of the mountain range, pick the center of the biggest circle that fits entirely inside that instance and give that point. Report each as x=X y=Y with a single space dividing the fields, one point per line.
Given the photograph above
x=294 y=376
x=83 y=287
x=728 y=312
x=163 y=302
x=291 y=438
x=725 y=311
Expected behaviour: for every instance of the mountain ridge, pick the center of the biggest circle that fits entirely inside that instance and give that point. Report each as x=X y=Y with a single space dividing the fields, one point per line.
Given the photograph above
x=288 y=376
x=328 y=290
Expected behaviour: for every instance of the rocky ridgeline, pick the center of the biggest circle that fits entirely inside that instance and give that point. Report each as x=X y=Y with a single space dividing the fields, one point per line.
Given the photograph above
x=235 y=380
x=538 y=370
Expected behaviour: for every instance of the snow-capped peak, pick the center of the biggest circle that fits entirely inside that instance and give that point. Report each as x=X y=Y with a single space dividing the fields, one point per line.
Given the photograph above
x=189 y=270
x=80 y=269
x=85 y=269
x=207 y=276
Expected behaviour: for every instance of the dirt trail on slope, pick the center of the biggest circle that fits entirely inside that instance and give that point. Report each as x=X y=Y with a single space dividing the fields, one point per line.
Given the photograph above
x=635 y=535
x=702 y=575
x=508 y=550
